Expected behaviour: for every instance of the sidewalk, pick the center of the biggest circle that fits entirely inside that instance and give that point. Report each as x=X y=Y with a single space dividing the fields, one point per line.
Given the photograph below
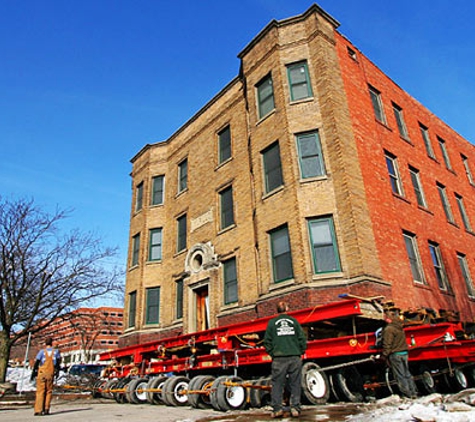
x=98 y=410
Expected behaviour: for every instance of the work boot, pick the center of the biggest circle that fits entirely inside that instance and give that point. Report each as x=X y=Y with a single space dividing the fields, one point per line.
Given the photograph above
x=277 y=414
x=295 y=413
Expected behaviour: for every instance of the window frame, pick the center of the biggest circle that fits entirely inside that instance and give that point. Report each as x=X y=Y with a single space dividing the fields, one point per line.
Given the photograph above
x=463 y=212
x=468 y=171
x=400 y=121
x=132 y=309
x=152 y=246
x=317 y=156
x=157 y=192
x=181 y=243
x=182 y=175
x=295 y=85
x=317 y=268
x=444 y=199
x=377 y=102
x=394 y=175
x=139 y=196
x=262 y=101
x=427 y=141
x=135 y=258
x=179 y=298
x=445 y=152
x=230 y=285
x=439 y=268
x=277 y=256
x=463 y=264
x=226 y=212
x=274 y=172
x=417 y=186
x=414 y=258
x=224 y=144
x=155 y=306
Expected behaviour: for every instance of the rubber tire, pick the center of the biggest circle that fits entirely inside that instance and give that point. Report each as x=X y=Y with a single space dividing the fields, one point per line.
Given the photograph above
x=156 y=383
x=203 y=383
x=349 y=384
x=389 y=380
x=315 y=385
x=456 y=382
x=110 y=385
x=425 y=382
x=98 y=387
x=259 y=398
x=334 y=396
x=222 y=396
x=121 y=397
x=470 y=373
x=172 y=391
x=133 y=396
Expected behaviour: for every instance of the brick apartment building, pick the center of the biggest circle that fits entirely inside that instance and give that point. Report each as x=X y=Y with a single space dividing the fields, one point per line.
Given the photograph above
x=80 y=335
x=311 y=174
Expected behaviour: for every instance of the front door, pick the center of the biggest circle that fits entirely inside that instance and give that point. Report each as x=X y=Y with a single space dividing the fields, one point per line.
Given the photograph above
x=202 y=308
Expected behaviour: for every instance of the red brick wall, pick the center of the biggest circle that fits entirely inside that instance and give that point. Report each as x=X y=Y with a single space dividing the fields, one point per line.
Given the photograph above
x=391 y=214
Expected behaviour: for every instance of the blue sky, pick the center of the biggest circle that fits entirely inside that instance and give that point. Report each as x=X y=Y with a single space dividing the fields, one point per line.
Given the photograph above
x=85 y=84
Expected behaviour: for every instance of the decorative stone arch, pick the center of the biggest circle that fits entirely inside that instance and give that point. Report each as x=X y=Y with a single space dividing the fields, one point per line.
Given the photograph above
x=201 y=257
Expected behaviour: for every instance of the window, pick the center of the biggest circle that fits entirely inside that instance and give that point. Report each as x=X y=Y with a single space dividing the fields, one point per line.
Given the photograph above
x=401 y=124
x=445 y=154
x=135 y=250
x=445 y=202
x=427 y=142
x=299 y=81
x=416 y=184
x=224 y=138
x=281 y=255
x=155 y=245
x=439 y=269
x=132 y=308
x=181 y=230
x=394 y=178
x=466 y=166
x=272 y=168
x=152 y=315
x=139 y=197
x=226 y=204
x=310 y=155
x=466 y=274
x=182 y=175
x=265 y=96
x=324 y=248
x=413 y=256
x=179 y=299
x=352 y=53
x=230 y=281
x=463 y=213
x=158 y=185
x=377 y=104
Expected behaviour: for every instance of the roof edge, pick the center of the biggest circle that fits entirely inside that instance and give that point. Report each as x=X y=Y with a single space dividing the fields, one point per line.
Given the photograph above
x=314 y=8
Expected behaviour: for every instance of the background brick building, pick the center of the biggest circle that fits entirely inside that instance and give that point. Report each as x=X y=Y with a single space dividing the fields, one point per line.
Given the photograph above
x=80 y=335
x=311 y=174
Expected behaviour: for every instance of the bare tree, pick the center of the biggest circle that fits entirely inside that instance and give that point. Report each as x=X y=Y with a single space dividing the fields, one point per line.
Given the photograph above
x=45 y=273
x=87 y=326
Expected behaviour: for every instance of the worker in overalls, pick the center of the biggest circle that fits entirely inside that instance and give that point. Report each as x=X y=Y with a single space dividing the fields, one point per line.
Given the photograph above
x=47 y=364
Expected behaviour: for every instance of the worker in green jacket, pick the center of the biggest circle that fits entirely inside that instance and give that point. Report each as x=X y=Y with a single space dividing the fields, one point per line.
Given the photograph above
x=285 y=342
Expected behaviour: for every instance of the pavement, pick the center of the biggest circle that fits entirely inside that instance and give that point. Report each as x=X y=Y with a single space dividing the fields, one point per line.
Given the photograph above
x=68 y=408
x=100 y=410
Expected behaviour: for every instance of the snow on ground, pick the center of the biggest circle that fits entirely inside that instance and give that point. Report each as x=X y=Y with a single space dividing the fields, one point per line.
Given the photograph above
x=21 y=376
x=458 y=407
x=436 y=407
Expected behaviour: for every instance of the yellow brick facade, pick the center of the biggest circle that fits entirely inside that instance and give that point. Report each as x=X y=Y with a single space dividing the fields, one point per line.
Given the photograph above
x=339 y=194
